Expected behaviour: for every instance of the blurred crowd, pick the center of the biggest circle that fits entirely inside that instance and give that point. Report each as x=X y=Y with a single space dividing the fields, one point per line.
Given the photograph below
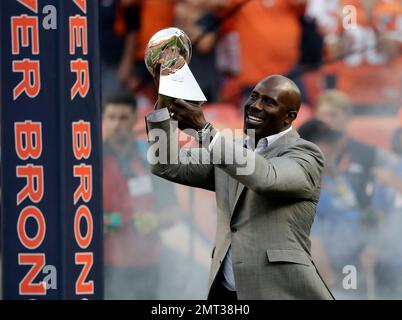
x=346 y=57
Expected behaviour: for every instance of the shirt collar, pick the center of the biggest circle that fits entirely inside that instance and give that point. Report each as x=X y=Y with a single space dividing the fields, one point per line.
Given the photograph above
x=266 y=141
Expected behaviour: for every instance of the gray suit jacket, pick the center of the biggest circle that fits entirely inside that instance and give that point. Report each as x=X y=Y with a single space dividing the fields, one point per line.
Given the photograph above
x=265 y=215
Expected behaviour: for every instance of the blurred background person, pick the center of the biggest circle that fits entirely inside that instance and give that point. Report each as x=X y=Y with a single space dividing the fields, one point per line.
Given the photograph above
x=154 y=16
x=336 y=230
x=363 y=40
x=198 y=24
x=125 y=29
x=266 y=35
x=388 y=201
x=119 y=24
x=133 y=216
x=356 y=160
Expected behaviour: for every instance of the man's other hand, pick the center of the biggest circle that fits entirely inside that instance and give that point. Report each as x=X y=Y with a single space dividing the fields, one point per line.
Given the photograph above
x=188 y=113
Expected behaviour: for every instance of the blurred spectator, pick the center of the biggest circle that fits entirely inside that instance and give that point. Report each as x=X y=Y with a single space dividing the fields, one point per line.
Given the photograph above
x=119 y=22
x=311 y=44
x=154 y=16
x=336 y=230
x=356 y=159
x=372 y=176
x=388 y=199
x=126 y=27
x=268 y=34
x=367 y=36
x=196 y=21
x=134 y=216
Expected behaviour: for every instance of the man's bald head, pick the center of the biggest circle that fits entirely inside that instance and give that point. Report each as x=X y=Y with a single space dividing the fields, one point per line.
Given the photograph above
x=289 y=92
x=272 y=106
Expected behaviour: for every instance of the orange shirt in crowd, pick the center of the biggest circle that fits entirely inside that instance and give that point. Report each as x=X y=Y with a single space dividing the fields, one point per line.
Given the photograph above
x=155 y=15
x=269 y=34
x=369 y=77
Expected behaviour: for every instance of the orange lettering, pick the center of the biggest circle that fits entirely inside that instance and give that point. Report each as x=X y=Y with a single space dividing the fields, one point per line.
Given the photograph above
x=81 y=69
x=36 y=241
x=84 y=190
x=37 y=261
x=82 y=286
x=34 y=183
x=82 y=4
x=23 y=24
x=78 y=34
x=82 y=146
x=30 y=83
x=28 y=139
x=83 y=241
x=30 y=4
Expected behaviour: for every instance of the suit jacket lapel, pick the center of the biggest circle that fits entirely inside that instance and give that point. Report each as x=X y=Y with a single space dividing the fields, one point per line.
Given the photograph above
x=236 y=188
x=232 y=187
x=239 y=190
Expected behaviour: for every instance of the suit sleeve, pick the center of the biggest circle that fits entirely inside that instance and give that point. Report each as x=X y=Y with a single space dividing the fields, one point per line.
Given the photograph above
x=188 y=166
x=295 y=172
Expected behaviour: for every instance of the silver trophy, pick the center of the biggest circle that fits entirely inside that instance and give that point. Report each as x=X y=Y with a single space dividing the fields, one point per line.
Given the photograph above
x=170 y=49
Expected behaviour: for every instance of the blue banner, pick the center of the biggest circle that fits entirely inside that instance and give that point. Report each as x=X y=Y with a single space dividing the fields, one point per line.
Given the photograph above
x=51 y=150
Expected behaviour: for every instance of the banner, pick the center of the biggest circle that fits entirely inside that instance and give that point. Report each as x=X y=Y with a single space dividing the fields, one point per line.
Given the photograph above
x=51 y=150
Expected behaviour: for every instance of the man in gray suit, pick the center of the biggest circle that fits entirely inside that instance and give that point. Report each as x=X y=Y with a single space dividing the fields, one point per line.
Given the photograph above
x=264 y=215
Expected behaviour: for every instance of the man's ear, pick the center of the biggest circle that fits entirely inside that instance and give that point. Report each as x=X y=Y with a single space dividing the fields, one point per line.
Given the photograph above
x=292 y=115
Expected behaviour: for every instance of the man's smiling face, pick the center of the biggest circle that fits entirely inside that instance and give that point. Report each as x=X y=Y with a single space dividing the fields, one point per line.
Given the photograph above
x=271 y=107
